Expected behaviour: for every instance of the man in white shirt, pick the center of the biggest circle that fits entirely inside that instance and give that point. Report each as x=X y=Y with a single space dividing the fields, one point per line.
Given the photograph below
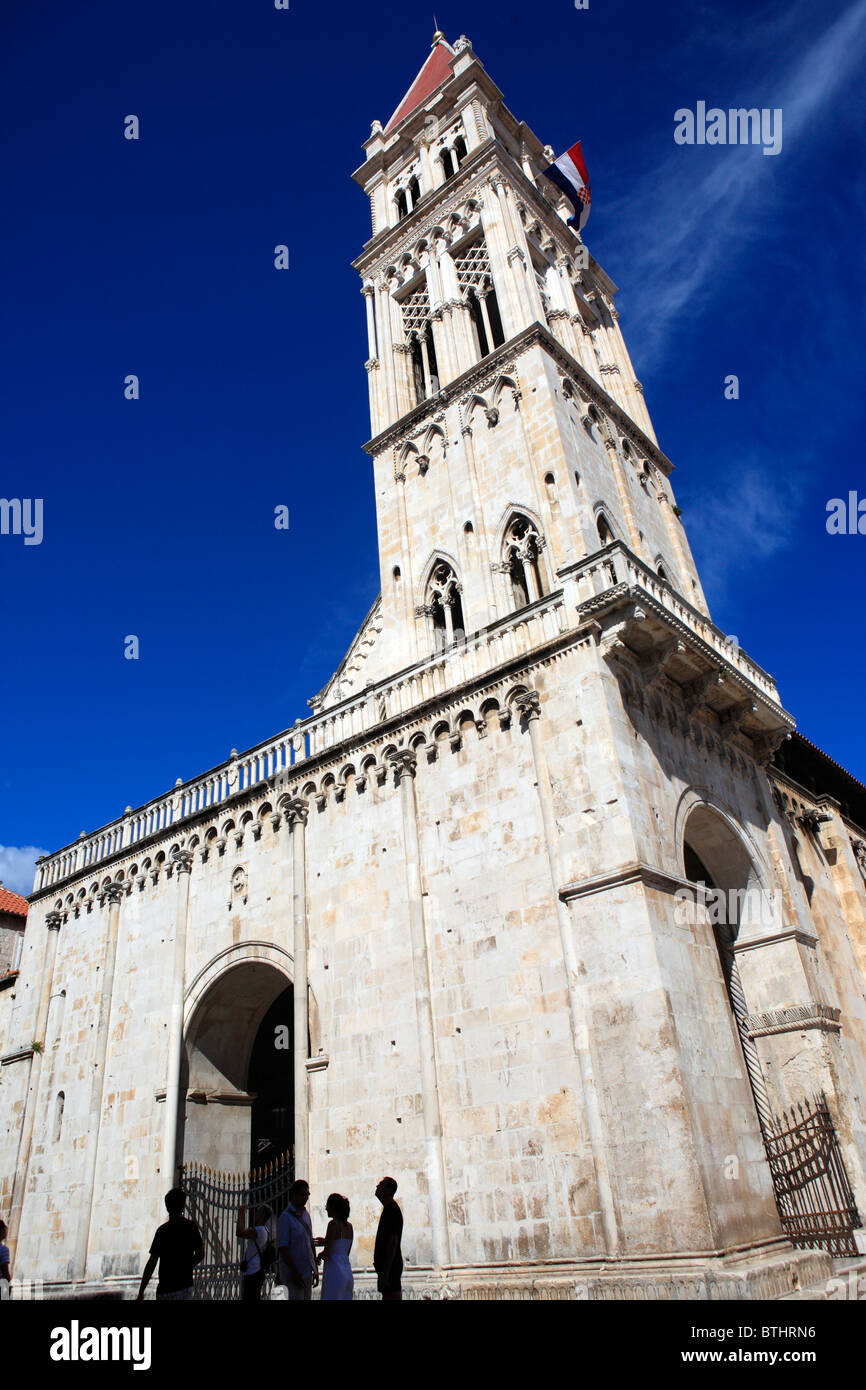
x=298 y=1268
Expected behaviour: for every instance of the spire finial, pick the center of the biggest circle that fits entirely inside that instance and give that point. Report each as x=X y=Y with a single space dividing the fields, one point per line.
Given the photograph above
x=438 y=37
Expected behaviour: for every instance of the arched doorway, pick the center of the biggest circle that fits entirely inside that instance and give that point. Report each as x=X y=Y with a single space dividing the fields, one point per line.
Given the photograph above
x=813 y=1195
x=716 y=859
x=238 y=1070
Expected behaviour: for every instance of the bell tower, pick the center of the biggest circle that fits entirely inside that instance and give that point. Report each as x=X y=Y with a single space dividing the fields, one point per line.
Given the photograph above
x=510 y=434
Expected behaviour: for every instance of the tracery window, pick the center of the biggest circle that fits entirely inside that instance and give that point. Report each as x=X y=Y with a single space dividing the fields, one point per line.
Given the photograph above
x=418 y=332
x=522 y=548
x=444 y=606
x=475 y=278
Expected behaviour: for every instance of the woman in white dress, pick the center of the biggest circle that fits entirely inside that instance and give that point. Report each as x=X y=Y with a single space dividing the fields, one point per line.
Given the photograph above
x=337 y=1281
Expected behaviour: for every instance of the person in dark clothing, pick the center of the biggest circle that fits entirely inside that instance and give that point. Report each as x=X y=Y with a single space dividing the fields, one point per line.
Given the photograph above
x=178 y=1247
x=387 y=1256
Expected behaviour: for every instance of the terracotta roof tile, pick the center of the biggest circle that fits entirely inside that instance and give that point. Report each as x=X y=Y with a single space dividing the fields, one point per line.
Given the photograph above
x=435 y=71
x=12 y=902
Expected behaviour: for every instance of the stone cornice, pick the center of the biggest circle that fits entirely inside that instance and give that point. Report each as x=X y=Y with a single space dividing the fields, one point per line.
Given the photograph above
x=492 y=366
x=824 y=1017
x=817 y=799
x=635 y=872
x=796 y=934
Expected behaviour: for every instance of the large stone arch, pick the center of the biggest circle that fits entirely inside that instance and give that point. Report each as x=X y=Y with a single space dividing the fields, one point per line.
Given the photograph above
x=230 y=1002
x=715 y=849
x=727 y=848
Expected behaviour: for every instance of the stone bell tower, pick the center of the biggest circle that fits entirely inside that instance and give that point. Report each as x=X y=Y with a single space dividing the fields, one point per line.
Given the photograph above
x=484 y=494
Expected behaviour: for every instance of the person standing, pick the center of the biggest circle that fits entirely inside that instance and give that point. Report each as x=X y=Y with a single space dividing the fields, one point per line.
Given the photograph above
x=387 y=1255
x=178 y=1247
x=298 y=1268
x=5 y=1276
x=337 y=1280
x=257 y=1237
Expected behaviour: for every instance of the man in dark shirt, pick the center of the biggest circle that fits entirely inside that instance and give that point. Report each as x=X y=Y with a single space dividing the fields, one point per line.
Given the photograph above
x=387 y=1257
x=177 y=1246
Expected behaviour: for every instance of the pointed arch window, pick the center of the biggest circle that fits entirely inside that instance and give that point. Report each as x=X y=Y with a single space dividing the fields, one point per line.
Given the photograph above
x=522 y=549
x=605 y=534
x=444 y=606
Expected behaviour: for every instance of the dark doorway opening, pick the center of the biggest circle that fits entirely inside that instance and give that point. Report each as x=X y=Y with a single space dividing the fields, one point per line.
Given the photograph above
x=271 y=1082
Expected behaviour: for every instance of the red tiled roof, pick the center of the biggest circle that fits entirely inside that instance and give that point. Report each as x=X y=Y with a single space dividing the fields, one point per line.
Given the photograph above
x=12 y=902
x=435 y=71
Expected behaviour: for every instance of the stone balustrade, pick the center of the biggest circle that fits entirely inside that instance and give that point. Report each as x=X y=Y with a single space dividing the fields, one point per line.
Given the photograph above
x=352 y=718
x=615 y=565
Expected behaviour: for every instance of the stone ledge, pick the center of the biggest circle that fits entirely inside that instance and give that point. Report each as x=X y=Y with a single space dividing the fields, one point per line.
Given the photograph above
x=753 y=1274
x=793 y=1020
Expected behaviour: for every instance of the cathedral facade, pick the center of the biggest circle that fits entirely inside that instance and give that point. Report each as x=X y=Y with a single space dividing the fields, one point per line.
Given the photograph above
x=545 y=909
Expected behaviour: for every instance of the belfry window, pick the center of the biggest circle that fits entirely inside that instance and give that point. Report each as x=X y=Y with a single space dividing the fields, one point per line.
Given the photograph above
x=425 y=371
x=459 y=151
x=605 y=534
x=521 y=558
x=418 y=333
x=448 y=164
x=475 y=279
x=444 y=607
x=402 y=205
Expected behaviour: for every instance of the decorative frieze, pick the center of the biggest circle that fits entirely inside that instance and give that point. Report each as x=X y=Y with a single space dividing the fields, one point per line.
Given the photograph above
x=792 y=1020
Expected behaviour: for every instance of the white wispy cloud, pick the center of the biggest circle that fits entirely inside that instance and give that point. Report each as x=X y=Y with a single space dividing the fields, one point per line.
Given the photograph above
x=702 y=221
x=750 y=518
x=17 y=867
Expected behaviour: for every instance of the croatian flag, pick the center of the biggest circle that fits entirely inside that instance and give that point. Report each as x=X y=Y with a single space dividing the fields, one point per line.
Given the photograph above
x=569 y=174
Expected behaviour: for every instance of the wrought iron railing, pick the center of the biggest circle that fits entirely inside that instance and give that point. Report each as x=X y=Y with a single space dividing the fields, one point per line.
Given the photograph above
x=213 y=1202
x=816 y=1205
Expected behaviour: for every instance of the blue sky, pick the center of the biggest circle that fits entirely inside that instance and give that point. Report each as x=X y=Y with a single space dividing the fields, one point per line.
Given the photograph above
x=155 y=257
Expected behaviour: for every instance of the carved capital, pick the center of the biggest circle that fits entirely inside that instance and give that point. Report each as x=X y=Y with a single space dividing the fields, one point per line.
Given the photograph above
x=404 y=763
x=528 y=705
x=182 y=861
x=296 y=811
x=53 y=921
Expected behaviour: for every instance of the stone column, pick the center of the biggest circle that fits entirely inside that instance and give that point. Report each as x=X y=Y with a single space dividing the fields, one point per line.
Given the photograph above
x=404 y=766
x=182 y=867
x=529 y=706
x=296 y=813
x=112 y=895
x=25 y=1138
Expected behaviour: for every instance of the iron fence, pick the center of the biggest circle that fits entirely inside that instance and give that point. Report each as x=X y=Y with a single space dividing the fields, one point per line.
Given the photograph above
x=816 y=1205
x=213 y=1202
